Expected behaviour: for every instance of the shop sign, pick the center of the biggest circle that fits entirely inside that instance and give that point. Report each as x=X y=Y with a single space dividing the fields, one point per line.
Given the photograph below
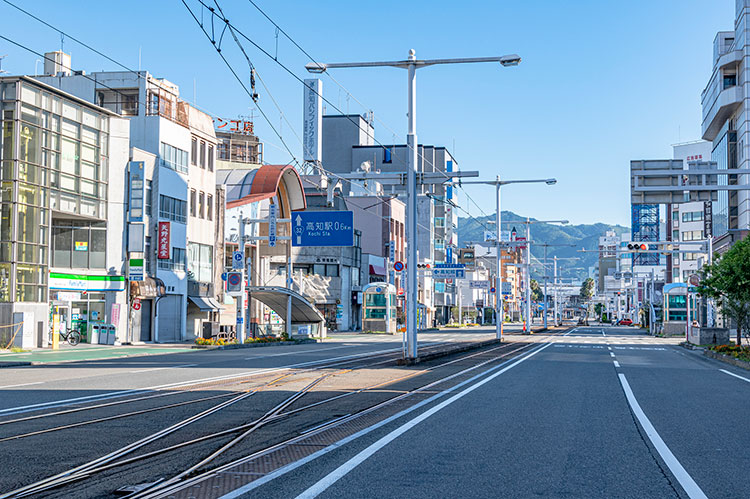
x=135 y=206
x=77 y=282
x=82 y=246
x=163 y=252
x=135 y=269
x=67 y=296
x=114 y=314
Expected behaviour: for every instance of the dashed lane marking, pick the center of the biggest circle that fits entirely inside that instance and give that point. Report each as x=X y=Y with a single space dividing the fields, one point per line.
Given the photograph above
x=617 y=364
x=686 y=481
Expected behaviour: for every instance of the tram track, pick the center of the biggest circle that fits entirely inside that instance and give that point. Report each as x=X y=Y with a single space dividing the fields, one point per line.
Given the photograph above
x=120 y=458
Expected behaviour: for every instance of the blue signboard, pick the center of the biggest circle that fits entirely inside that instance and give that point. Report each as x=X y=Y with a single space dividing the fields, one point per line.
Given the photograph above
x=323 y=228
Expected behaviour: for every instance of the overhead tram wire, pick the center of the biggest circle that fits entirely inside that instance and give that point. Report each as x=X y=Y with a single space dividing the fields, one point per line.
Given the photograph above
x=226 y=21
x=312 y=59
x=295 y=160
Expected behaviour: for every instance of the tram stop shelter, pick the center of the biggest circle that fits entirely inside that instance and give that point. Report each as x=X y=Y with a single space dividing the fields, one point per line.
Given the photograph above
x=306 y=319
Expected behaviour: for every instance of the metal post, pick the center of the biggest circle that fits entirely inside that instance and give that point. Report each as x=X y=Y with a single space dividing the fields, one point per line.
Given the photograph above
x=460 y=304
x=499 y=315
x=555 y=284
x=545 y=286
x=411 y=212
x=528 y=276
x=289 y=281
x=241 y=298
x=687 y=302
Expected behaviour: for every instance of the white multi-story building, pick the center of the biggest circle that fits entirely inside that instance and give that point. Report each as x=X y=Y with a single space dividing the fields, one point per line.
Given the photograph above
x=177 y=144
x=726 y=123
x=688 y=220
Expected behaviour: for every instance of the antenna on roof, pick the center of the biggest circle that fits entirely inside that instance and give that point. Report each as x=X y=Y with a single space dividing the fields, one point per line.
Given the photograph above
x=1 y=63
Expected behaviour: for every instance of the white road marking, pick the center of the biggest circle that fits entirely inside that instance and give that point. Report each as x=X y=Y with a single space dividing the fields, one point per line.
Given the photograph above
x=352 y=463
x=162 y=368
x=617 y=364
x=603 y=333
x=609 y=348
x=686 y=481
x=735 y=375
x=22 y=384
x=611 y=354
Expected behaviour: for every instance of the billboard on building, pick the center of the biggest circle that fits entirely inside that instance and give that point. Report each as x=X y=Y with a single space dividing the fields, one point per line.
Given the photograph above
x=163 y=249
x=313 y=120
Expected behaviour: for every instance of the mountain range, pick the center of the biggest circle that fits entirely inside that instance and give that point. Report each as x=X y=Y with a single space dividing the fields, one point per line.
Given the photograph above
x=565 y=241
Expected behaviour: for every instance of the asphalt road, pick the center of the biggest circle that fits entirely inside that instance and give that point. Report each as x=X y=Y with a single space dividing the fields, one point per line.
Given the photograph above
x=32 y=387
x=601 y=412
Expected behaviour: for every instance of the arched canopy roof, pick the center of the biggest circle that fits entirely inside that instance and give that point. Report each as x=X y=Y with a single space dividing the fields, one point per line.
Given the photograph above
x=249 y=186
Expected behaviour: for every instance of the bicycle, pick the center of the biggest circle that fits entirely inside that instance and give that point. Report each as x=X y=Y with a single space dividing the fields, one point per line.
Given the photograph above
x=72 y=337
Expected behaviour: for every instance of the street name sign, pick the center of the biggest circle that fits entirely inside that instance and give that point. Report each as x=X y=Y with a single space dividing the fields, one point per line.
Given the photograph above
x=323 y=228
x=449 y=271
x=479 y=284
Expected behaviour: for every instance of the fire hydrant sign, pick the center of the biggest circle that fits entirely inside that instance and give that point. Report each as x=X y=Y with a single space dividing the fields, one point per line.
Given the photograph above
x=163 y=251
x=323 y=228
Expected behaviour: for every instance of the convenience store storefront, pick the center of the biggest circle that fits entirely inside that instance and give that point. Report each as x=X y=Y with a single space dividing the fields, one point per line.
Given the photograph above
x=80 y=301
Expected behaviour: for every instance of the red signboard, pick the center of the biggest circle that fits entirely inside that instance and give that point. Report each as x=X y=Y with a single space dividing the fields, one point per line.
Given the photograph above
x=163 y=251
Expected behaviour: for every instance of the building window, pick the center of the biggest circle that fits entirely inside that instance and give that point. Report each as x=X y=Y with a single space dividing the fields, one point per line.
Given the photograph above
x=210 y=207
x=439 y=244
x=730 y=81
x=192 y=202
x=177 y=262
x=174 y=158
x=203 y=155
x=194 y=151
x=675 y=235
x=692 y=235
x=77 y=245
x=149 y=193
x=210 y=157
x=387 y=154
x=692 y=216
x=172 y=209
x=201 y=202
x=326 y=269
x=439 y=222
x=690 y=256
x=200 y=262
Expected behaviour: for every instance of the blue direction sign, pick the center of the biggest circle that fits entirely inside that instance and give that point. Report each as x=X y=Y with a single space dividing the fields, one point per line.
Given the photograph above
x=449 y=271
x=323 y=228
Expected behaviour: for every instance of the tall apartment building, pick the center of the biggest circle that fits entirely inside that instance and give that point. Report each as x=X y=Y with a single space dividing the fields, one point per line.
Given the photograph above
x=725 y=122
x=177 y=144
x=62 y=216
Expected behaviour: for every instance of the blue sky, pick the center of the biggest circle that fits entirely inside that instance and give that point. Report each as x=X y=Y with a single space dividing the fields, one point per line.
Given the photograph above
x=601 y=82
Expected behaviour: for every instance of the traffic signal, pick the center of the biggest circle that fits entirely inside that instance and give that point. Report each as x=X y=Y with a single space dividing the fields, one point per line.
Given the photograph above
x=636 y=247
x=423 y=266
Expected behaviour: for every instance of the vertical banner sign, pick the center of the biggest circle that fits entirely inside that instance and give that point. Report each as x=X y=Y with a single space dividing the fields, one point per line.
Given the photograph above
x=163 y=251
x=392 y=251
x=708 y=218
x=135 y=204
x=313 y=120
x=272 y=215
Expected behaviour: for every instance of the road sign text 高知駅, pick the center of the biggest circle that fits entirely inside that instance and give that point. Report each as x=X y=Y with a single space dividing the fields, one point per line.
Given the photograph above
x=323 y=228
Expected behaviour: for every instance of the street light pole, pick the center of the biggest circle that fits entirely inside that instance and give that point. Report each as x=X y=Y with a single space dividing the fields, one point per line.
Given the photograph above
x=411 y=64
x=528 y=276
x=545 y=286
x=499 y=314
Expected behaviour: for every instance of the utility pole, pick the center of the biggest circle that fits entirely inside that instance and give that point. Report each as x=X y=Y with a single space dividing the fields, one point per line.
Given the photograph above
x=499 y=314
x=241 y=298
x=545 y=286
x=555 y=310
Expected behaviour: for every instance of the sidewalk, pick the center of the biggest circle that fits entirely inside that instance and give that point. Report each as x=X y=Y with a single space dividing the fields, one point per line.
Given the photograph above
x=83 y=352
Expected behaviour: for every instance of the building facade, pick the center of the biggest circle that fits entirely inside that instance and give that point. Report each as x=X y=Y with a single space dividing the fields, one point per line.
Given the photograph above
x=62 y=216
x=179 y=235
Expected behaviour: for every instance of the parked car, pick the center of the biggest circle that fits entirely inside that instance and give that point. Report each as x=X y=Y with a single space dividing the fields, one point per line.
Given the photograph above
x=625 y=322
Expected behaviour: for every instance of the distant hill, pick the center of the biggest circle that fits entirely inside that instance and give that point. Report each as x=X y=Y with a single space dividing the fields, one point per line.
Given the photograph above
x=582 y=236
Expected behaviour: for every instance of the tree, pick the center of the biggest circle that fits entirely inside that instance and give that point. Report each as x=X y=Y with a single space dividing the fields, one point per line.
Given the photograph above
x=587 y=289
x=599 y=310
x=536 y=292
x=727 y=280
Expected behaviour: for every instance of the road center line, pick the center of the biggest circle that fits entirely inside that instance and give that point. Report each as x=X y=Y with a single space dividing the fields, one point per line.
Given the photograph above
x=611 y=354
x=352 y=463
x=22 y=384
x=686 y=481
x=617 y=364
x=735 y=375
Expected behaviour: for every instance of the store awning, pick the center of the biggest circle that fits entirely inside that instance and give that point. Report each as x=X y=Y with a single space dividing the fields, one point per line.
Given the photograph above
x=205 y=304
x=147 y=288
x=275 y=297
x=377 y=270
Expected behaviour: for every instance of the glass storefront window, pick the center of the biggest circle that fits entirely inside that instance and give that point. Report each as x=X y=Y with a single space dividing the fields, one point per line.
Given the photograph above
x=4 y=280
